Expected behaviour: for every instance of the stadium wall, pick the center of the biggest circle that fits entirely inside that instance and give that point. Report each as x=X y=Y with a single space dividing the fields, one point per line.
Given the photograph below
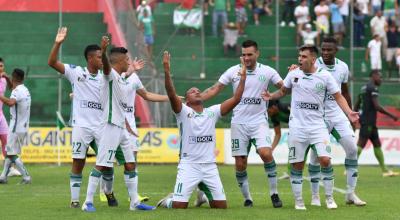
x=161 y=145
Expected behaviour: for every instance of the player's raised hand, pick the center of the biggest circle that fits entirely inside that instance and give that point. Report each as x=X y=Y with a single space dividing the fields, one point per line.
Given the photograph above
x=137 y=64
x=166 y=61
x=243 y=70
x=105 y=41
x=292 y=67
x=61 y=35
x=266 y=95
x=353 y=116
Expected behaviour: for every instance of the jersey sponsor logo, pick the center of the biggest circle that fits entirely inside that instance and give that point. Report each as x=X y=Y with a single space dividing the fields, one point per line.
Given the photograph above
x=250 y=101
x=329 y=97
x=126 y=107
x=308 y=106
x=200 y=139
x=90 y=104
x=72 y=66
x=82 y=79
x=296 y=80
x=193 y=115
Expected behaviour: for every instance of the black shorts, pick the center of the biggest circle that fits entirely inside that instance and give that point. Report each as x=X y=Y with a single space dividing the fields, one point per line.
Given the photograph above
x=369 y=132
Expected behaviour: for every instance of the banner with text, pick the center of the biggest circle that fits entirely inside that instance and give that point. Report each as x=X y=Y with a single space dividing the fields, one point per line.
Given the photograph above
x=390 y=145
x=157 y=145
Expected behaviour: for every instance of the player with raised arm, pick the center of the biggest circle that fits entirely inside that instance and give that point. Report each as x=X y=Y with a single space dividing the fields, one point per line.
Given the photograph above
x=368 y=104
x=113 y=136
x=88 y=109
x=338 y=125
x=309 y=85
x=249 y=124
x=197 y=140
x=20 y=108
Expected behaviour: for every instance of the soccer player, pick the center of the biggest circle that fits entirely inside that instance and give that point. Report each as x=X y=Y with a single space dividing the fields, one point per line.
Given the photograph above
x=309 y=85
x=114 y=101
x=20 y=108
x=88 y=109
x=338 y=125
x=3 y=122
x=197 y=140
x=368 y=104
x=249 y=123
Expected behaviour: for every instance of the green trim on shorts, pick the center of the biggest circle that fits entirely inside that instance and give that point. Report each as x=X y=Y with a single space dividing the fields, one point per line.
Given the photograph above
x=251 y=141
x=336 y=134
x=93 y=145
x=203 y=187
x=119 y=155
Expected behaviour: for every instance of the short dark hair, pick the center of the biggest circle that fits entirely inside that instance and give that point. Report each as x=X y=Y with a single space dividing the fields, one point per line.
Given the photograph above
x=18 y=74
x=91 y=48
x=115 y=52
x=249 y=43
x=329 y=40
x=1 y=60
x=311 y=48
x=373 y=72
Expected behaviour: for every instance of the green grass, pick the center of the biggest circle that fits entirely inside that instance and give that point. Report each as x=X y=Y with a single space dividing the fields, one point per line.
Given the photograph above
x=48 y=196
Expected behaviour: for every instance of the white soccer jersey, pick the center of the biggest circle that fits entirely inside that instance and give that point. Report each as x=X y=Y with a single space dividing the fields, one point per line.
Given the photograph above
x=114 y=100
x=20 y=112
x=87 y=106
x=129 y=86
x=308 y=95
x=197 y=134
x=252 y=108
x=340 y=72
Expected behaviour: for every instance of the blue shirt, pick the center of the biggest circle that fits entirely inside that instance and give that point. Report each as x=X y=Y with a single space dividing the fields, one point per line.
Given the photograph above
x=336 y=17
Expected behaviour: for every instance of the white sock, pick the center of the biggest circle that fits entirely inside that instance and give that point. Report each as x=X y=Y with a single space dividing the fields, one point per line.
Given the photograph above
x=7 y=165
x=107 y=181
x=328 y=179
x=242 y=180
x=352 y=174
x=315 y=174
x=132 y=184
x=270 y=170
x=75 y=181
x=20 y=167
x=296 y=181
x=169 y=203
x=94 y=180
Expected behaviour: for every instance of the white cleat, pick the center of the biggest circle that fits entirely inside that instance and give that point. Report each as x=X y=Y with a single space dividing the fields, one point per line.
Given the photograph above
x=201 y=199
x=299 y=204
x=284 y=176
x=352 y=198
x=13 y=172
x=163 y=202
x=330 y=203
x=315 y=200
x=390 y=173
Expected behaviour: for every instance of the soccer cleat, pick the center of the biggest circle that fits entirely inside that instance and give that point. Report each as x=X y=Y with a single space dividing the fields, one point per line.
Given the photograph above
x=143 y=198
x=27 y=180
x=352 y=198
x=390 y=173
x=283 y=24
x=111 y=200
x=88 y=207
x=248 y=203
x=284 y=176
x=330 y=203
x=201 y=199
x=103 y=197
x=163 y=201
x=299 y=204
x=3 y=180
x=13 y=172
x=276 y=201
x=315 y=200
x=75 y=204
x=143 y=207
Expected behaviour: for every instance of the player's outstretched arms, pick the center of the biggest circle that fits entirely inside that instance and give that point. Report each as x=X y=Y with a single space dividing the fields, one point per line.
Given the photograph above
x=229 y=104
x=53 y=61
x=153 y=97
x=176 y=102
x=212 y=91
x=105 y=41
x=341 y=101
x=7 y=101
x=266 y=95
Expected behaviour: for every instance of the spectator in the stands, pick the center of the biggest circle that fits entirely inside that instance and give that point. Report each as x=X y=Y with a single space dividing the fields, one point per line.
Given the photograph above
x=302 y=15
x=344 y=10
x=147 y=26
x=309 y=36
x=390 y=10
x=398 y=61
x=391 y=50
x=373 y=52
x=378 y=26
x=337 y=21
x=260 y=7
x=205 y=7
x=219 y=14
x=376 y=5
x=231 y=35
x=364 y=6
x=322 y=13
x=143 y=6
x=288 y=13
x=241 y=15
x=359 y=28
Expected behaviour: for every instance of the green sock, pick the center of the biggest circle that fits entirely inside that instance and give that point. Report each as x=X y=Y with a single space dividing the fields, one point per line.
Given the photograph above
x=359 y=150
x=379 y=156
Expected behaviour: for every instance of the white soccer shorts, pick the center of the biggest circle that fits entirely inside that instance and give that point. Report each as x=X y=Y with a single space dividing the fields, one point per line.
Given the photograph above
x=244 y=135
x=339 y=129
x=130 y=141
x=112 y=137
x=15 y=142
x=300 y=140
x=81 y=139
x=202 y=175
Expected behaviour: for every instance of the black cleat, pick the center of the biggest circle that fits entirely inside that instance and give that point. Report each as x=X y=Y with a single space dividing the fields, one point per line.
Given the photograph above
x=75 y=205
x=111 y=200
x=248 y=203
x=276 y=201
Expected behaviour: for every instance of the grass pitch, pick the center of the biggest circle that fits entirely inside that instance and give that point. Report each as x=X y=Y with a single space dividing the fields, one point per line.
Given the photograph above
x=48 y=196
